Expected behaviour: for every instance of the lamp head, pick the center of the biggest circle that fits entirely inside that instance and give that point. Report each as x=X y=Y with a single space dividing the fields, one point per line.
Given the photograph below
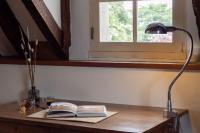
x=159 y=28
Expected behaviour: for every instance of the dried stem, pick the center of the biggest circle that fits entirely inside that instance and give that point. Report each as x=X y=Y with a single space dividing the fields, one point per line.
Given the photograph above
x=30 y=55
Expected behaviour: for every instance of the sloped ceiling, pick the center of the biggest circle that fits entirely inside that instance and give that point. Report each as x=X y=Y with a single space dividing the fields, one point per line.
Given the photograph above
x=25 y=19
x=6 y=48
x=18 y=9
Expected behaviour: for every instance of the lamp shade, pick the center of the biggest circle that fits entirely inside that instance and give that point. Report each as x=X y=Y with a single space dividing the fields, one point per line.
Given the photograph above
x=159 y=28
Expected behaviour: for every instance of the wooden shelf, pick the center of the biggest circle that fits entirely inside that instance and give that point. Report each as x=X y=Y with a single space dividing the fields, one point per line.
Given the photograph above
x=142 y=65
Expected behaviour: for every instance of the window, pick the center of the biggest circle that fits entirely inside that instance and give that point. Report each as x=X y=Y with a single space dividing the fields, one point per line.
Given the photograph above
x=117 y=30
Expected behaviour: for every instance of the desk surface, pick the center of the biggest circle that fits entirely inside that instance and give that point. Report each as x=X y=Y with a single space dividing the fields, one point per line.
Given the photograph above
x=132 y=119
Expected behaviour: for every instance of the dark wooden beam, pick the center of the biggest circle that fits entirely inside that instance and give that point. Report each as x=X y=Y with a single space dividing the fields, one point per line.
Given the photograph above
x=196 y=6
x=47 y=25
x=44 y=51
x=65 y=21
x=10 y=26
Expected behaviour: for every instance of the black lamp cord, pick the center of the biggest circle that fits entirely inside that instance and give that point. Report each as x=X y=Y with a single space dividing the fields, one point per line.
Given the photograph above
x=169 y=102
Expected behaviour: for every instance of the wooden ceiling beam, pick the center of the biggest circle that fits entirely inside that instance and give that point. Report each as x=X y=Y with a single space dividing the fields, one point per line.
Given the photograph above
x=196 y=6
x=10 y=26
x=65 y=22
x=47 y=25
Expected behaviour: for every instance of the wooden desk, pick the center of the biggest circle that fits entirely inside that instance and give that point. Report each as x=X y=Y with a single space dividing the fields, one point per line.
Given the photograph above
x=130 y=119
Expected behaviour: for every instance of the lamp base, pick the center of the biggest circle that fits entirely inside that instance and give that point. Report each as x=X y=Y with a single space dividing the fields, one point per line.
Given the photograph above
x=170 y=114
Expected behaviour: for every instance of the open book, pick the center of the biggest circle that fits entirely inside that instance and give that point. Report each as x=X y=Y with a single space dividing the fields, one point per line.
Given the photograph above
x=64 y=109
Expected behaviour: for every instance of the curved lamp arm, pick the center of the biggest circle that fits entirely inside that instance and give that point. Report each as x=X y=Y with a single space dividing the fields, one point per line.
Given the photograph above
x=169 y=103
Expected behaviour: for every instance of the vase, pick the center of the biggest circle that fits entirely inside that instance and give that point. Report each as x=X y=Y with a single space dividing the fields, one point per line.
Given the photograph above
x=34 y=96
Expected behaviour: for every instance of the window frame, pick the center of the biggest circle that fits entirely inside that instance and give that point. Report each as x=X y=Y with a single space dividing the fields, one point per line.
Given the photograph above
x=138 y=51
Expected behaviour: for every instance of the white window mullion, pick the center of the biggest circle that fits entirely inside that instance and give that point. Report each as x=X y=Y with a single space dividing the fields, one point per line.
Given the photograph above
x=134 y=20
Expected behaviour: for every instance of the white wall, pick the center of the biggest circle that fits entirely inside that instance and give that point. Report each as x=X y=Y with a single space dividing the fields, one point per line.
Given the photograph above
x=80 y=30
x=55 y=9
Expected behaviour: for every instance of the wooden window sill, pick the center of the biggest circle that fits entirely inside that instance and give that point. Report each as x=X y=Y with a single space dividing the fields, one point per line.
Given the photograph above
x=142 y=65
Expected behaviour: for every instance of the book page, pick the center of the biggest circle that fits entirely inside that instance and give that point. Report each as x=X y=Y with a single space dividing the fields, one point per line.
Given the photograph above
x=91 y=110
x=62 y=107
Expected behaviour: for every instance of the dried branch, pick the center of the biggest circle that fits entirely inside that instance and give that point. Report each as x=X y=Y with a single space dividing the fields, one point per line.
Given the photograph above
x=30 y=55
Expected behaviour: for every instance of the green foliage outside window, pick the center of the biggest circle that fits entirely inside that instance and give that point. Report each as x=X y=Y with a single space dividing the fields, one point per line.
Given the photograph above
x=152 y=13
x=121 y=23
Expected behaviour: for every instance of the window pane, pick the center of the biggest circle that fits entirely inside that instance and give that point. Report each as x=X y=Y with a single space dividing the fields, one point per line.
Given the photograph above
x=154 y=11
x=116 y=21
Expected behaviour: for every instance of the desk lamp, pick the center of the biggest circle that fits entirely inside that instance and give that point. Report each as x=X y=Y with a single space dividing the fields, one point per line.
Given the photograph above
x=159 y=28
